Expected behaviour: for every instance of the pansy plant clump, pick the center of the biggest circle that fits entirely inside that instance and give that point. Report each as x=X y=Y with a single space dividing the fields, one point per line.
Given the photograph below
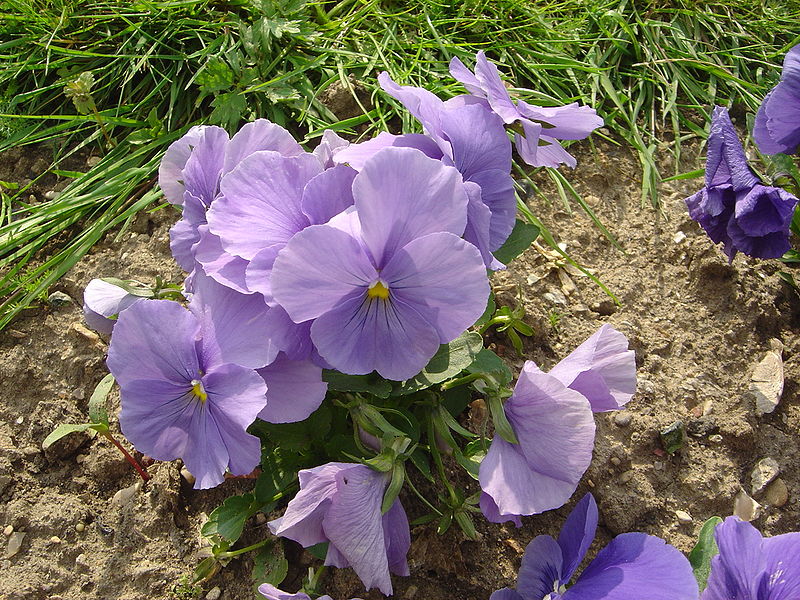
x=324 y=341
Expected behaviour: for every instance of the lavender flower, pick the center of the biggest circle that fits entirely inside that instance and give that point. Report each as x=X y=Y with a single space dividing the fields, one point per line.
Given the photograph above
x=471 y=138
x=270 y=592
x=734 y=207
x=631 y=566
x=777 y=126
x=391 y=278
x=178 y=399
x=750 y=567
x=340 y=503
x=103 y=301
x=542 y=126
x=551 y=415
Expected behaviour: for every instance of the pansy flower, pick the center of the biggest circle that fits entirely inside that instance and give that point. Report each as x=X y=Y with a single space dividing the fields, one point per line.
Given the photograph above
x=103 y=301
x=340 y=503
x=389 y=280
x=777 y=125
x=751 y=567
x=270 y=592
x=632 y=566
x=734 y=207
x=542 y=126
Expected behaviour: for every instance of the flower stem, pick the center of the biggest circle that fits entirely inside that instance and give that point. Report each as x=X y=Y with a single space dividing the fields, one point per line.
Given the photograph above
x=139 y=469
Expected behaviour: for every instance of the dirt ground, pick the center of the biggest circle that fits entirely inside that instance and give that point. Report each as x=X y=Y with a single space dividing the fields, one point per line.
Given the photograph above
x=698 y=326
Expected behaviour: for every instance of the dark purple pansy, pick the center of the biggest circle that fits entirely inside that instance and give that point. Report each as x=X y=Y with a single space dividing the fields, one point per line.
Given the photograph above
x=777 y=125
x=632 y=566
x=391 y=279
x=751 y=567
x=734 y=208
x=543 y=127
x=340 y=503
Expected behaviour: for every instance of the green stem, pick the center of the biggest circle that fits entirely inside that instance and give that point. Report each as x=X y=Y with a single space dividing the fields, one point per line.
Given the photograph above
x=233 y=553
x=448 y=385
x=437 y=458
x=423 y=498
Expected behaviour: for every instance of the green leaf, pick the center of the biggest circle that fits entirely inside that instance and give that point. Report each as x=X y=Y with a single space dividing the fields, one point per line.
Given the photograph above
x=97 y=403
x=63 y=430
x=300 y=436
x=488 y=362
x=227 y=521
x=705 y=549
x=215 y=76
x=394 y=487
x=689 y=175
x=522 y=236
x=207 y=568
x=465 y=522
x=228 y=109
x=270 y=564
x=448 y=362
x=319 y=551
x=372 y=384
x=487 y=314
x=501 y=424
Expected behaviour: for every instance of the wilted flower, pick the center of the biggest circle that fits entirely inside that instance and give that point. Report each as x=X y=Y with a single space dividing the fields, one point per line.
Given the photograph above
x=734 y=207
x=340 y=503
x=103 y=301
x=391 y=279
x=631 y=566
x=777 y=125
x=751 y=567
x=542 y=126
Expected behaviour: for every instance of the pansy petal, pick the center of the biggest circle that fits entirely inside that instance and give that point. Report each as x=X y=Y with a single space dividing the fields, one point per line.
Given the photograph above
x=506 y=594
x=634 y=562
x=203 y=169
x=270 y=592
x=478 y=140
x=353 y=525
x=569 y=122
x=329 y=146
x=577 y=534
x=496 y=92
x=186 y=232
x=762 y=134
x=602 y=369
x=107 y=299
x=465 y=77
x=323 y=259
x=479 y=219
x=397 y=538
x=550 y=153
x=206 y=455
x=328 y=194
x=170 y=171
x=425 y=106
x=491 y=511
x=355 y=155
x=443 y=278
x=260 y=205
x=401 y=194
x=765 y=209
x=294 y=390
x=497 y=192
x=154 y=340
x=256 y=136
x=228 y=269
x=362 y=334
x=726 y=162
x=293 y=339
x=737 y=570
x=782 y=580
x=541 y=568
x=235 y=328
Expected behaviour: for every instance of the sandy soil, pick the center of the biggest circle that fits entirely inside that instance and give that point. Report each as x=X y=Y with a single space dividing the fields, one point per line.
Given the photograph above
x=698 y=326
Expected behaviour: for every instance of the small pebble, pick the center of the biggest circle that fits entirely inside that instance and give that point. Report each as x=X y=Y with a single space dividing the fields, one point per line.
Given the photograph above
x=679 y=237
x=80 y=458
x=261 y=518
x=80 y=527
x=51 y=195
x=658 y=465
x=16 y=334
x=763 y=473
x=626 y=476
x=92 y=161
x=745 y=507
x=55 y=540
x=190 y=479
x=125 y=495
x=623 y=419
x=615 y=461
x=214 y=593
x=777 y=493
x=81 y=561
x=59 y=299
x=14 y=543
x=411 y=592
x=590 y=483
x=19 y=420
x=9 y=529
x=683 y=516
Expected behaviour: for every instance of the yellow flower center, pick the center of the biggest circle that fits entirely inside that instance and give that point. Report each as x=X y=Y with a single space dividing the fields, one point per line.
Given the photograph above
x=378 y=290
x=198 y=390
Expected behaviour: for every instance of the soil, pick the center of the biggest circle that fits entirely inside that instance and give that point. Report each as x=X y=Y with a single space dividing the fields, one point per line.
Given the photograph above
x=698 y=326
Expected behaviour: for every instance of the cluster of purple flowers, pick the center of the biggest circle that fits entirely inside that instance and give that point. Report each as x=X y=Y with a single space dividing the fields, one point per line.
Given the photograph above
x=734 y=207
x=357 y=258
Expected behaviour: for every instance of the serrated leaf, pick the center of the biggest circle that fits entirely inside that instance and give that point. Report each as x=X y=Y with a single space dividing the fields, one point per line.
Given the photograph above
x=215 y=76
x=705 y=549
x=448 y=362
x=227 y=520
x=372 y=384
x=97 y=403
x=488 y=362
x=270 y=564
x=63 y=430
x=228 y=109
x=522 y=236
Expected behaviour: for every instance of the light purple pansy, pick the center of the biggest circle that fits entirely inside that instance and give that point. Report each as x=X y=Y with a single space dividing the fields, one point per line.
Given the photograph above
x=602 y=369
x=340 y=503
x=752 y=567
x=102 y=301
x=543 y=127
x=190 y=175
x=179 y=400
x=555 y=429
x=630 y=567
x=733 y=207
x=469 y=137
x=777 y=125
x=391 y=278
x=294 y=390
x=270 y=592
